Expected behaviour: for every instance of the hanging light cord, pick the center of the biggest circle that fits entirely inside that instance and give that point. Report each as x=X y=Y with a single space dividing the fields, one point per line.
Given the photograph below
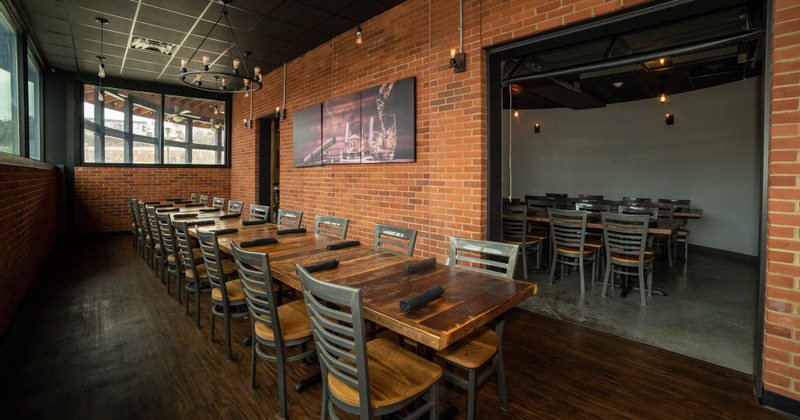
x=510 y=123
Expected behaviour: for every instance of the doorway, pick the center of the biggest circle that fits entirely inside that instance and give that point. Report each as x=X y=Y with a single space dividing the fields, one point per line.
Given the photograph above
x=269 y=164
x=560 y=70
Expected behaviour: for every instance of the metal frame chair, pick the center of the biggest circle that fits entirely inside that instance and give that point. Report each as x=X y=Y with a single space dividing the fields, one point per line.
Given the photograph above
x=227 y=297
x=635 y=200
x=289 y=218
x=172 y=262
x=157 y=245
x=235 y=206
x=135 y=229
x=516 y=231
x=271 y=324
x=196 y=278
x=390 y=238
x=203 y=199
x=218 y=203
x=350 y=365
x=193 y=197
x=337 y=226
x=464 y=353
x=568 y=242
x=258 y=212
x=626 y=243
x=683 y=231
x=590 y=197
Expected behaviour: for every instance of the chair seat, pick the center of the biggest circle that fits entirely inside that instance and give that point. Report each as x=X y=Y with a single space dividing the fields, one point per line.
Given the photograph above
x=577 y=250
x=294 y=322
x=473 y=350
x=234 y=289
x=631 y=258
x=530 y=240
x=594 y=243
x=197 y=254
x=228 y=267
x=395 y=374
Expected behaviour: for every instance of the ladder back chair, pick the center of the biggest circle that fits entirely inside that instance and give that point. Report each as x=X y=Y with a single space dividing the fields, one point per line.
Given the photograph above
x=280 y=327
x=235 y=206
x=147 y=246
x=172 y=262
x=218 y=203
x=289 y=218
x=259 y=212
x=134 y=224
x=203 y=200
x=227 y=297
x=568 y=237
x=193 y=197
x=195 y=274
x=336 y=226
x=368 y=379
x=157 y=255
x=590 y=197
x=484 y=344
x=515 y=231
x=626 y=244
x=627 y=200
x=395 y=239
x=683 y=230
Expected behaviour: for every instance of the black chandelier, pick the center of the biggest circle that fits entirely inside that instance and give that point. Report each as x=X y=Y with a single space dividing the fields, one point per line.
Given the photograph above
x=235 y=79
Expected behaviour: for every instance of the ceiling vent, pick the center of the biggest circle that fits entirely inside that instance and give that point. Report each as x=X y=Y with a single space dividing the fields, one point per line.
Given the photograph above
x=147 y=44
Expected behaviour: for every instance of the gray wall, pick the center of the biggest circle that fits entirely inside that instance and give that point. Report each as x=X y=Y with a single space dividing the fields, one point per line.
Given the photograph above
x=711 y=155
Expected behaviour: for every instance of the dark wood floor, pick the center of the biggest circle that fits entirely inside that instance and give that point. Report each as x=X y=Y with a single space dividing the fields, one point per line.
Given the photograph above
x=98 y=337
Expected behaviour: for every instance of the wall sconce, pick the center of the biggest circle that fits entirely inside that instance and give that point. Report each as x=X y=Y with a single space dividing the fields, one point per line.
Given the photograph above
x=247 y=123
x=663 y=98
x=358 y=35
x=536 y=128
x=280 y=113
x=670 y=119
x=458 y=61
x=516 y=113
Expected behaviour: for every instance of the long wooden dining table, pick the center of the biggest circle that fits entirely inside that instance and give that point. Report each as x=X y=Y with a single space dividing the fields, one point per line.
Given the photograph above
x=469 y=301
x=659 y=227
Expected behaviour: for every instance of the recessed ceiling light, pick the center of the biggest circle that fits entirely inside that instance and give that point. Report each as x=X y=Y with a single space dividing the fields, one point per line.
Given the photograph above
x=617 y=84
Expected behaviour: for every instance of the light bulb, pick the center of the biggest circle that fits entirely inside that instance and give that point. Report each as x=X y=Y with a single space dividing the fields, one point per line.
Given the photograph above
x=258 y=70
x=358 y=35
x=277 y=109
x=516 y=113
x=224 y=83
x=247 y=94
x=100 y=96
x=216 y=110
x=236 y=64
x=205 y=60
x=452 y=53
x=199 y=80
x=662 y=61
x=663 y=98
x=183 y=63
x=102 y=70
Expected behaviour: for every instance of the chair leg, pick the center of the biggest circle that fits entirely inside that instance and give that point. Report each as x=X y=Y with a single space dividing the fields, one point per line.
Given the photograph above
x=213 y=321
x=253 y=359
x=471 y=393
x=227 y=323
x=282 y=386
x=500 y=376
x=642 y=289
x=553 y=263
x=650 y=283
x=324 y=411
x=187 y=296
x=580 y=269
x=670 y=256
x=434 y=397
x=605 y=281
x=178 y=284
x=525 y=265
x=197 y=303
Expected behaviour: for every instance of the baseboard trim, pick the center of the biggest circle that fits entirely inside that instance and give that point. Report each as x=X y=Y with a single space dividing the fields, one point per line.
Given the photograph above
x=724 y=253
x=781 y=404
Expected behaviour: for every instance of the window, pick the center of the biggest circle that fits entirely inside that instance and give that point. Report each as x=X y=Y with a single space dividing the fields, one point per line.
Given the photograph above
x=129 y=127
x=34 y=110
x=9 y=98
x=194 y=131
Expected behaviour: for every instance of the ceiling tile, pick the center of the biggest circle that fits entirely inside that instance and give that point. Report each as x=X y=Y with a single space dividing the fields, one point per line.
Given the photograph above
x=187 y=7
x=53 y=8
x=40 y=21
x=261 y=7
x=159 y=33
x=312 y=39
x=332 y=6
x=336 y=26
x=57 y=50
x=93 y=48
x=239 y=19
x=278 y=29
x=292 y=50
x=60 y=62
x=299 y=14
x=144 y=65
x=89 y=18
x=54 y=38
x=92 y=33
x=363 y=10
x=149 y=56
x=218 y=33
x=107 y=8
x=160 y=17
x=255 y=41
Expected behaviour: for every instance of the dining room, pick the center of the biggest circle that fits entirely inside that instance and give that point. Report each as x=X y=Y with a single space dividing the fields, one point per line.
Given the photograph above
x=289 y=209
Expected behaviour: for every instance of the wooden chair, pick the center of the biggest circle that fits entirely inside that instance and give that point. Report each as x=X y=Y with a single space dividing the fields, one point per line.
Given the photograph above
x=568 y=239
x=280 y=327
x=195 y=274
x=227 y=297
x=259 y=212
x=172 y=263
x=395 y=239
x=515 y=231
x=626 y=244
x=203 y=200
x=336 y=226
x=368 y=379
x=235 y=206
x=474 y=350
x=193 y=197
x=218 y=203
x=289 y=218
x=683 y=231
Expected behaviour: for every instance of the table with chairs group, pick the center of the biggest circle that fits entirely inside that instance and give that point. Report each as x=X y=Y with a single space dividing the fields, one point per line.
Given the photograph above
x=617 y=239
x=449 y=314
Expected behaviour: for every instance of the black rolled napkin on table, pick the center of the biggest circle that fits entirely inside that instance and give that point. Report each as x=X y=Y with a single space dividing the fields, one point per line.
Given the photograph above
x=209 y=210
x=182 y=215
x=231 y=216
x=288 y=231
x=183 y=202
x=168 y=210
x=173 y=199
x=325 y=265
x=195 y=205
x=200 y=223
x=410 y=303
x=258 y=242
x=149 y=203
x=158 y=206
x=253 y=222
x=340 y=245
x=420 y=265
x=225 y=231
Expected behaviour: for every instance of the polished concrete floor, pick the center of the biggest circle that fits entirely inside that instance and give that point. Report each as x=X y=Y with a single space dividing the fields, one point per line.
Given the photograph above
x=708 y=312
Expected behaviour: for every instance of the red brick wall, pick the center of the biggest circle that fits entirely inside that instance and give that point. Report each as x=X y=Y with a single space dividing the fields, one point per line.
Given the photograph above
x=443 y=193
x=100 y=192
x=30 y=210
x=782 y=326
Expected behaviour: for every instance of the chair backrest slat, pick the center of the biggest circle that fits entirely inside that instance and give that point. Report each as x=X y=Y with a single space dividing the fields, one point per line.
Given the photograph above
x=337 y=226
x=203 y=199
x=255 y=275
x=515 y=225
x=167 y=235
x=152 y=225
x=641 y=208
x=289 y=218
x=625 y=233
x=627 y=200
x=235 y=206
x=590 y=197
x=259 y=212
x=395 y=239
x=486 y=249
x=592 y=207
x=568 y=228
x=193 y=197
x=218 y=203
x=209 y=247
x=185 y=246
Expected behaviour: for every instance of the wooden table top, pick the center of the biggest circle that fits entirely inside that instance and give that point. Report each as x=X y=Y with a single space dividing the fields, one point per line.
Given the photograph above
x=664 y=227
x=469 y=301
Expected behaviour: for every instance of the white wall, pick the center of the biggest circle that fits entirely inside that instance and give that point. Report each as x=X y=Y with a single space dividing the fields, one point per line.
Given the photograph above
x=711 y=155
